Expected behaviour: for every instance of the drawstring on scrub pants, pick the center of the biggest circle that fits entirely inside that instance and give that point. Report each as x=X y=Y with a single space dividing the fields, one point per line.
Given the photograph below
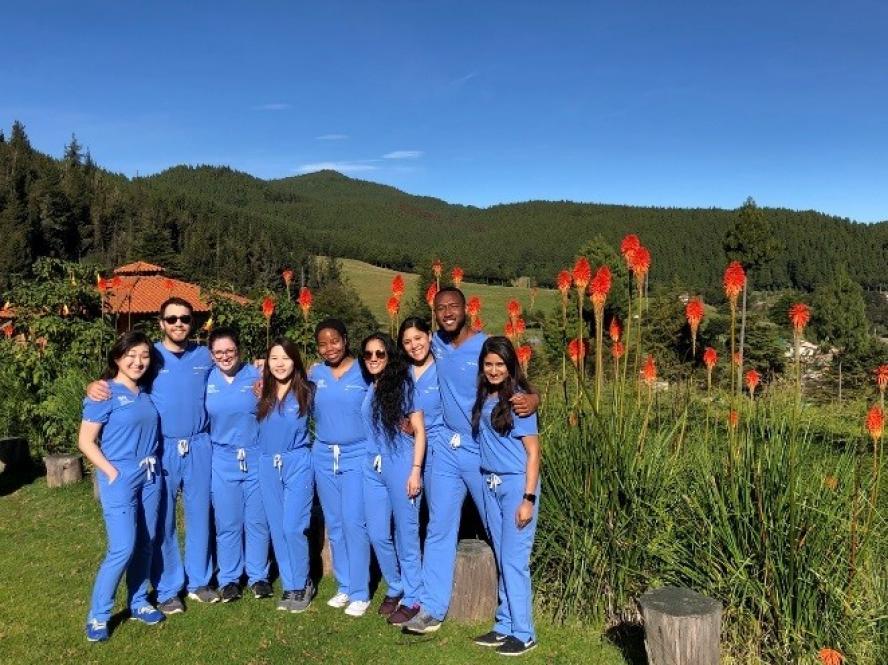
x=494 y=481
x=148 y=464
x=242 y=459
x=278 y=463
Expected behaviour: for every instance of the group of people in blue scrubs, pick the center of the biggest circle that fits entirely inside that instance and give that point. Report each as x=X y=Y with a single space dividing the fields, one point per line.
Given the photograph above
x=431 y=416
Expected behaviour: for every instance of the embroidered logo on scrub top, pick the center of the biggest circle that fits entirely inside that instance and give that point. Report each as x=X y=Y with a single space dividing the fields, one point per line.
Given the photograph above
x=124 y=400
x=212 y=389
x=353 y=386
x=201 y=368
x=321 y=383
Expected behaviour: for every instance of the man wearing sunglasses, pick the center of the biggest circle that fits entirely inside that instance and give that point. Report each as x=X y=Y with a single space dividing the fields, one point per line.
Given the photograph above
x=178 y=392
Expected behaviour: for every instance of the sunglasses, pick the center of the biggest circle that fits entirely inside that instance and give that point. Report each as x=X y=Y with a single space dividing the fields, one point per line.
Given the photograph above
x=185 y=318
x=380 y=355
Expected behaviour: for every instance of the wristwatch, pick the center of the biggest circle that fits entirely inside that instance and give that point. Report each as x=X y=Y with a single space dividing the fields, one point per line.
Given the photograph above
x=530 y=497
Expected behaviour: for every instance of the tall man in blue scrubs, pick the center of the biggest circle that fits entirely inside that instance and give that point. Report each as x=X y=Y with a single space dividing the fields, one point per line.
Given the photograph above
x=456 y=470
x=179 y=393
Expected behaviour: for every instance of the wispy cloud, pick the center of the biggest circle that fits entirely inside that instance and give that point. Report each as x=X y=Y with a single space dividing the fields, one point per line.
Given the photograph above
x=331 y=137
x=403 y=154
x=273 y=107
x=342 y=167
x=462 y=80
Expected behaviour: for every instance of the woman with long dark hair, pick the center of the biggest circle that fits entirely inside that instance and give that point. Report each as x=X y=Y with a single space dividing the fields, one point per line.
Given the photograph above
x=241 y=525
x=286 y=478
x=395 y=463
x=338 y=454
x=510 y=464
x=127 y=471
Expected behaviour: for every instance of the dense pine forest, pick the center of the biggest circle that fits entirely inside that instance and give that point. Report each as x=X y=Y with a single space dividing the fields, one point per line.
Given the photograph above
x=220 y=225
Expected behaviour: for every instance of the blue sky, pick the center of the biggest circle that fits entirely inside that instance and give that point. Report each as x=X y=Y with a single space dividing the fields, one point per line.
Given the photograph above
x=650 y=103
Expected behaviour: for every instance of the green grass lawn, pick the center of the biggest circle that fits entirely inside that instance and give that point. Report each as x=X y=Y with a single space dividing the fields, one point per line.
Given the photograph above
x=51 y=542
x=374 y=284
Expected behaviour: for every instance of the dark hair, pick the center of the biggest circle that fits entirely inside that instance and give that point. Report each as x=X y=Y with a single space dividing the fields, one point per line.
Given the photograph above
x=175 y=300
x=300 y=386
x=393 y=385
x=413 y=322
x=339 y=327
x=501 y=417
x=222 y=332
x=451 y=289
x=124 y=344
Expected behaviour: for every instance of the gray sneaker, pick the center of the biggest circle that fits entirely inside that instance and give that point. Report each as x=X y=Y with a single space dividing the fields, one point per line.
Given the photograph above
x=204 y=594
x=286 y=601
x=171 y=606
x=421 y=624
x=302 y=598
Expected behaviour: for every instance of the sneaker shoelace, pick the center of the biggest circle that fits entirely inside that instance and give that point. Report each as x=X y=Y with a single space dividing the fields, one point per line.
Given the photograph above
x=95 y=624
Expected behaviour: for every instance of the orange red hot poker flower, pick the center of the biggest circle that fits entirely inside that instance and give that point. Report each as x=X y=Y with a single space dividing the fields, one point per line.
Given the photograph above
x=287 y=276
x=799 y=315
x=629 y=245
x=875 y=422
x=639 y=262
x=710 y=357
x=576 y=350
x=305 y=301
x=431 y=292
x=393 y=305
x=513 y=307
x=457 y=276
x=615 y=330
x=694 y=314
x=437 y=267
x=830 y=657
x=582 y=273
x=564 y=281
x=649 y=371
x=473 y=306
x=753 y=378
x=600 y=286
x=617 y=349
x=882 y=377
x=397 y=286
x=734 y=280
x=267 y=307
x=524 y=353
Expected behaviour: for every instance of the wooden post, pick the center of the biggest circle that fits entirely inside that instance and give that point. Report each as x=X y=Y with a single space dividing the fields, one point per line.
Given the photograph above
x=474 y=583
x=681 y=627
x=63 y=470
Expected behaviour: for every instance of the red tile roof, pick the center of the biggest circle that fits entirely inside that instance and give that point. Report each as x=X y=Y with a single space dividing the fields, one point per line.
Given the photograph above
x=139 y=268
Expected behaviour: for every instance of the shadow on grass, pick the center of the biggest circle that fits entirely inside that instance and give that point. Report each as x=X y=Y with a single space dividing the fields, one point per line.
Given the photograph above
x=12 y=480
x=629 y=639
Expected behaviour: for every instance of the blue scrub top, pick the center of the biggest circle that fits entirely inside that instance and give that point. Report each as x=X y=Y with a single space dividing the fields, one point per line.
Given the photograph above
x=231 y=408
x=283 y=428
x=378 y=442
x=427 y=398
x=129 y=422
x=337 y=405
x=504 y=454
x=179 y=390
x=458 y=382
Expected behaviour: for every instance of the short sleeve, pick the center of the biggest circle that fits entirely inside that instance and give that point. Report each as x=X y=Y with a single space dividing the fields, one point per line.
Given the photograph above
x=96 y=412
x=409 y=399
x=525 y=426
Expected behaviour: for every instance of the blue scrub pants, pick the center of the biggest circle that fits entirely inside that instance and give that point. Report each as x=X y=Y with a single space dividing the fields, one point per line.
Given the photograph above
x=396 y=469
x=129 y=506
x=241 y=527
x=378 y=511
x=287 y=484
x=511 y=547
x=191 y=471
x=339 y=476
x=451 y=472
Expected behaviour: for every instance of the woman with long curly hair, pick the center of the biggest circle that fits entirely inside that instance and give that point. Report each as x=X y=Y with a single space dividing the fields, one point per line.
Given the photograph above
x=396 y=467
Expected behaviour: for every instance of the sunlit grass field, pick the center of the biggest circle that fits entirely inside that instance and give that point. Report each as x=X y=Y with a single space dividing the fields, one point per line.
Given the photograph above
x=51 y=542
x=373 y=285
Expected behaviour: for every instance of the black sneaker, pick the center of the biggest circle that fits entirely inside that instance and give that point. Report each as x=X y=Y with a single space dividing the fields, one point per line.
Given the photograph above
x=204 y=594
x=261 y=589
x=229 y=592
x=512 y=646
x=491 y=639
x=171 y=606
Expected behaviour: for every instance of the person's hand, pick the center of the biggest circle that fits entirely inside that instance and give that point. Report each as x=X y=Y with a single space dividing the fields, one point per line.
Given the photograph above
x=407 y=427
x=114 y=475
x=525 y=404
x=257 y=388
x=259 y=363
x=98 y=391
x=414 y=483
x=524 y=514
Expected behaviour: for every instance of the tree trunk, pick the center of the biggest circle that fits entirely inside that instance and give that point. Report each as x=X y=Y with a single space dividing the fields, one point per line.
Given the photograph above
x=474 y=583
x=681 y=627
x=63 y=470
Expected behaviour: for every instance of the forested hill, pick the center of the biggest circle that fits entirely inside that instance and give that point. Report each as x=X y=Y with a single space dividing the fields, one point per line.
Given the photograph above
x=215 y=223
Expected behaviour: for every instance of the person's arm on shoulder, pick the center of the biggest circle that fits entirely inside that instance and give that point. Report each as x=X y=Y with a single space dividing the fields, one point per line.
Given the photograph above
x=98 y=391
x=532 y=478
x=86 y=442
x=414 y=481
x=525 y=404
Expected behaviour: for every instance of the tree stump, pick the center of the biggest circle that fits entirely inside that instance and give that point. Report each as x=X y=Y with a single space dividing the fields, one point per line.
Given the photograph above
x=63 y=470
x=681 y=627
x=14 y=454
x=474 y=583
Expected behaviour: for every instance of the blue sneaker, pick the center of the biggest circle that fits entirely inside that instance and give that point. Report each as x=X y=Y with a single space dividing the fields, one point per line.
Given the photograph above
x=147 y=615
x=96 y=631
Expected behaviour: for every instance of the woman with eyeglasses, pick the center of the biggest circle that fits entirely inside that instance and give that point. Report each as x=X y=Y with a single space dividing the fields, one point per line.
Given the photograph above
x=396 y=466
x=285 y=468
x=241 y=528
x=338 y=454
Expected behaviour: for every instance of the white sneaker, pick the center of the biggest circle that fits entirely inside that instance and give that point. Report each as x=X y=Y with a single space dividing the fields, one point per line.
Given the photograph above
x=356 y=608
x=338 y=601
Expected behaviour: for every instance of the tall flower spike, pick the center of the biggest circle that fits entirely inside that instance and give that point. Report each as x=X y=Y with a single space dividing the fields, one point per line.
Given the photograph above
x=799 y=315
x=830 y=657
x=477 y=324
x=287 y=276
x=563 y=281
x=582 y=273
x=649 y=371
x=397 y=286
x=576 y=350
x=305 y=301
x=473 y=306
x=882 y=377
x=617 y=349
x=752 y=380
x=520 y=327
x=733 y=418
x=875 y=422
x=694 y=314
x=734 y=280
x=710 y=357
x=457 y=276
x=524 y=353
x=509 y=330
x=640 y=262
x=513 y=307
x=431 y=292
x=267 y=307
x=437 y=268
x=393 y=305
x=629 y=245
x=600 y=286
x=615 y=330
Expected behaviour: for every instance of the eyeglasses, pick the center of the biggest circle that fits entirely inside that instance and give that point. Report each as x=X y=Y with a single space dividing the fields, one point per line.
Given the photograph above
x=170 y=320
x=225 y=353
x=380 y=355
